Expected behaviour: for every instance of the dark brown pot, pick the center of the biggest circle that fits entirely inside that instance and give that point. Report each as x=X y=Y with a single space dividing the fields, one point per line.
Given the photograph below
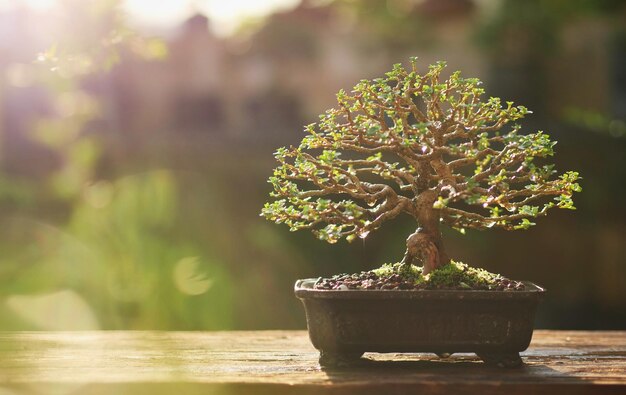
x=496 y=325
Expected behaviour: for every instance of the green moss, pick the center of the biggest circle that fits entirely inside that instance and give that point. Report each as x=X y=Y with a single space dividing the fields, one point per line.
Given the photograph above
x=409 y=273
x=458 y=274
x=452 y=275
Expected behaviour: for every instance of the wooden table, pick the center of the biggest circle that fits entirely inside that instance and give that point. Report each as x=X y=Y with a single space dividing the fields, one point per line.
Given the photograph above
x=284 y=362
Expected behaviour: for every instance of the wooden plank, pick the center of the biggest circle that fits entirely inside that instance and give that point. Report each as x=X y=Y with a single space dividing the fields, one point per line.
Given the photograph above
x=277 y=362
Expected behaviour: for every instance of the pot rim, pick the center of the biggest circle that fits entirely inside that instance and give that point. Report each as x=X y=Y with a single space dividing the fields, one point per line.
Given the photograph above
x=304 y=289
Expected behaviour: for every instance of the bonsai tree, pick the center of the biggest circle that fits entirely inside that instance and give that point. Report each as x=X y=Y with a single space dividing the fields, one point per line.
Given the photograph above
x=421 y=145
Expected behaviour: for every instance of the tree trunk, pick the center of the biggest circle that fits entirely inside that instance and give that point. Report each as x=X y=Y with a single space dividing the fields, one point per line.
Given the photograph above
x=425 y=244
x=422 y=246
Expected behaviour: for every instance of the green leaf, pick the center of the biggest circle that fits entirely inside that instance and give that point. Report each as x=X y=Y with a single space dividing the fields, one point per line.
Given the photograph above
x=524 y=224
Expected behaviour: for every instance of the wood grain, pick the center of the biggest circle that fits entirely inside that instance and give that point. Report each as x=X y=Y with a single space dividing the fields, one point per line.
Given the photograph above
x=282 y=362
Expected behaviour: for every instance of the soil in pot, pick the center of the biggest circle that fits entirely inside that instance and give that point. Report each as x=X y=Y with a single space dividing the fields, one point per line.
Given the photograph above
x=453 y=276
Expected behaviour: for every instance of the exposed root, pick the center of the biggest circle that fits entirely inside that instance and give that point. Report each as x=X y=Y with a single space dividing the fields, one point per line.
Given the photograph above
x=422 y=246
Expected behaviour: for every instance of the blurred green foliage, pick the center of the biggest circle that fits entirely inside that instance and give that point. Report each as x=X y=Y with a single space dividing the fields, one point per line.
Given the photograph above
x=120 y=252
x=113 y=243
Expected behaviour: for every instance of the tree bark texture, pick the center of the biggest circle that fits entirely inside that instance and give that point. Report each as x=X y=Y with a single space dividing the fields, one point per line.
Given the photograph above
x=426 y=244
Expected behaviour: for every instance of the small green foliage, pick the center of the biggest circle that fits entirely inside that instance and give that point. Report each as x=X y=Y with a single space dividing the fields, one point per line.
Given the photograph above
x=409 y=136
x=525 y=223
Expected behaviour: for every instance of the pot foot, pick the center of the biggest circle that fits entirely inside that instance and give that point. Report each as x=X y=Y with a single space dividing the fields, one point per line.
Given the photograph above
x=502 y=359
x=335 y=359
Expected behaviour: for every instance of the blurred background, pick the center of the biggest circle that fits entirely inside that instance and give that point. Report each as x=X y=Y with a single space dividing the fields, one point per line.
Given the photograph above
x=136 y=138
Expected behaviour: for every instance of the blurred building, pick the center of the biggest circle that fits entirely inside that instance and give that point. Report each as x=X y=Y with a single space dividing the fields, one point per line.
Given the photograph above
x=263 y=87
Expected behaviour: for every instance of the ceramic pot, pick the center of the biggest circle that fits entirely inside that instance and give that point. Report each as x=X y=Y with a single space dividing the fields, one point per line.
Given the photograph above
x=344 y=324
